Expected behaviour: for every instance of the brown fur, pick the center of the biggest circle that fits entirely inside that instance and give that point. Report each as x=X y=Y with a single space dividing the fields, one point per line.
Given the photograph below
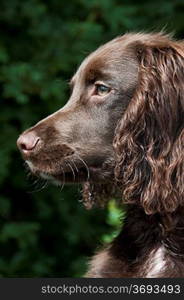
x=129 y=144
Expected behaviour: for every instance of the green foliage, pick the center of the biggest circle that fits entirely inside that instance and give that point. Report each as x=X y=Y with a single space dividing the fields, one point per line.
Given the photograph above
x=114 y=218
x=48 y=233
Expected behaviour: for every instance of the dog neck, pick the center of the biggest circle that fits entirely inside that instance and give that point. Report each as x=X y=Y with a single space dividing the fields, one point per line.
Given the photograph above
x=141 y=233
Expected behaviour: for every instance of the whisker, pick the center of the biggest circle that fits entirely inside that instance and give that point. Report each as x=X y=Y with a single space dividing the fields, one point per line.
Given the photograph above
x=45 y=183
x=87 y=168
x=63 y=183
x=75 y=166
x=33 y=184
x=72 y=170
x=77 y=170
x=36 y=183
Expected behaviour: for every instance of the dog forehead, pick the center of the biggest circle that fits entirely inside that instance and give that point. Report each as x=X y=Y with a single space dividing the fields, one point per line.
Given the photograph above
x=105 y=55
x=118 y=51
x=104 y=59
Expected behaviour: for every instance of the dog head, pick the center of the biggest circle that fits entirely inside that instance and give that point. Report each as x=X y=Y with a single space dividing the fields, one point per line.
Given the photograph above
x=122 y=126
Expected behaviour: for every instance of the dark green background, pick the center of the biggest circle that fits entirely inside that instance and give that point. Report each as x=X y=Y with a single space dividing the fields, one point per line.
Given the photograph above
x=49 y=233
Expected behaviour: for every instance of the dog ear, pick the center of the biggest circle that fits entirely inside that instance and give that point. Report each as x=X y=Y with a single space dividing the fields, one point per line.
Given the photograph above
x=149 y=140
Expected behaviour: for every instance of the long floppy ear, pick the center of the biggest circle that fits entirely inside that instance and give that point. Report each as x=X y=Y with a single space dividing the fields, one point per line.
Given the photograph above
x=149 y=141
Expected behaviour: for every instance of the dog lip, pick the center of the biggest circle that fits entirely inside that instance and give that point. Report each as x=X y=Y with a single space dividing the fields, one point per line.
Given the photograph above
x=30 y=164
x=83 y=174
x=68 y=173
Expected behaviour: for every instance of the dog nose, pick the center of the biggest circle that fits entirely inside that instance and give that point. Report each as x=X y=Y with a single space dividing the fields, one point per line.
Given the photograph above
x=27 y=142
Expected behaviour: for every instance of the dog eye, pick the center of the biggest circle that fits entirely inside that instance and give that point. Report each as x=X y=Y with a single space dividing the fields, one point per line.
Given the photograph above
x=102 y=89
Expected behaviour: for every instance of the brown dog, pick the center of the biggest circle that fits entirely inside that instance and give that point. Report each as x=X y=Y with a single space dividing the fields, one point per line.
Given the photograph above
x=122 y=131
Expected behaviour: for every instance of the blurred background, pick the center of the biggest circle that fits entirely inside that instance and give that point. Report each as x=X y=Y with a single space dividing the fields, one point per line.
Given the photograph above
x=46 y=232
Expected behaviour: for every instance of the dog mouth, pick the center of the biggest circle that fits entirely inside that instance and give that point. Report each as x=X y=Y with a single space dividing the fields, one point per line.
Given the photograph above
x=68 y=172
